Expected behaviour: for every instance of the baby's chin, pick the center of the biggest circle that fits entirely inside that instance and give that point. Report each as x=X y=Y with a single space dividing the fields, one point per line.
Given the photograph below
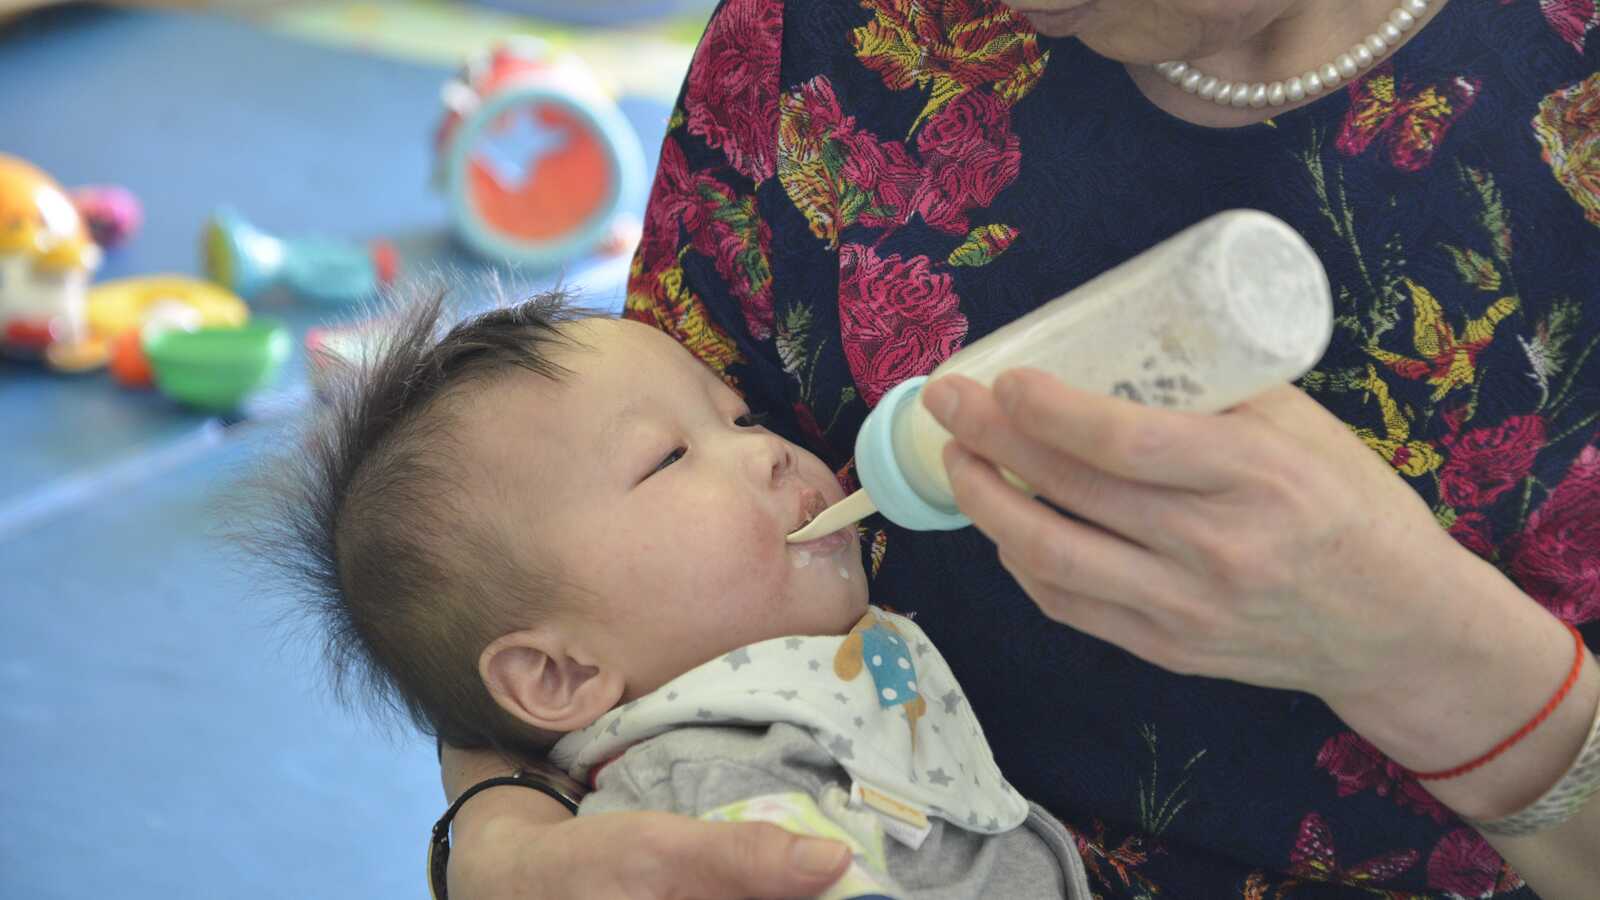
x=828 y=610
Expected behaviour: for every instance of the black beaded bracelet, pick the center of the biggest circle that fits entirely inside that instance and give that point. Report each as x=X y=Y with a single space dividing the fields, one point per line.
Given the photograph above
x=439 y=844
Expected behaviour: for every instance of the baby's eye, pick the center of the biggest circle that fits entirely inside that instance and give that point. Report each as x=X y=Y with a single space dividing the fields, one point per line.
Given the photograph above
x=669 y=459
x=751 y=420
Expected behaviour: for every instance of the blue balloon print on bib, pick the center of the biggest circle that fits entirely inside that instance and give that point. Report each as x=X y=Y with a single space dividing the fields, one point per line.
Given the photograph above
x=888 y=658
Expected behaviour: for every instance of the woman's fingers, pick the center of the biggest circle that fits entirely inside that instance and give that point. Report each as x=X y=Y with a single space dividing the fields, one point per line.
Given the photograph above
x=1143 y=513
x=1057 y=551
x=638 y=855
x=1139 y=443
x=731 y=861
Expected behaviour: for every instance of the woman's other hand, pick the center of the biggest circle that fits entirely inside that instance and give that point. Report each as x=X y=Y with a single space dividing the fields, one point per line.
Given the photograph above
x=501 y=854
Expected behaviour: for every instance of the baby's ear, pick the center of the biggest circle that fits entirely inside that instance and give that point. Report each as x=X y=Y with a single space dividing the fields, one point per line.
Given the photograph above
x=546 y=682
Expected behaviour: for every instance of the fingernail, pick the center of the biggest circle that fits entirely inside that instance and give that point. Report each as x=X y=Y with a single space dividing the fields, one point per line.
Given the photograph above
x=954 y=458
x=941 y=400
x=1005 y=392
x=818 y=857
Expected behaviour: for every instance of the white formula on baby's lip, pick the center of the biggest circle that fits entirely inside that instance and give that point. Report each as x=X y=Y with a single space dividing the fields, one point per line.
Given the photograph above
x=844 y=573
x=799 y=558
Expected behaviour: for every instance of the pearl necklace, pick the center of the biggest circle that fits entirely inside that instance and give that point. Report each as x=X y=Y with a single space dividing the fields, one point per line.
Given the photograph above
x=1343 y=68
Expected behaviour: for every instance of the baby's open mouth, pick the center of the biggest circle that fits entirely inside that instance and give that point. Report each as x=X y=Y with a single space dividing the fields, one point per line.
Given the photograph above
x=812 y=504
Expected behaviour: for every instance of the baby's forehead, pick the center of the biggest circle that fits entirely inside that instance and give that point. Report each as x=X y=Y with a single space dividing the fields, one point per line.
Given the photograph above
x=614 y=332
x=641 y=349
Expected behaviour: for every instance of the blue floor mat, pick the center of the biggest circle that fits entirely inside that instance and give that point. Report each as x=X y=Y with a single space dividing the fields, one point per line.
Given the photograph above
x=163 y=738
x=167 y=736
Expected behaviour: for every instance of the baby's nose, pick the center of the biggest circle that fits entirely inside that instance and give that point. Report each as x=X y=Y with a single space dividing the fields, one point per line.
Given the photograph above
x=774 y=460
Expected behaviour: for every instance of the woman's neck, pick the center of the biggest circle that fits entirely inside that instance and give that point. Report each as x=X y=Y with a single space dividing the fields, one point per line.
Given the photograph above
x=1305 y=36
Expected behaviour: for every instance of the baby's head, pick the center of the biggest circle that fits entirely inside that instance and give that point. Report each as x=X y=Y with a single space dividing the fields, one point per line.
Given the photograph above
x=541 y=514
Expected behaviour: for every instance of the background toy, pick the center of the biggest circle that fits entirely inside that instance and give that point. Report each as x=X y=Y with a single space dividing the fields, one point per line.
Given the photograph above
x=122 y=311
x=112 y=213
x=46 y=259
x=215 y=369
x=249 y=261
x=536 y=161
x=609 y=12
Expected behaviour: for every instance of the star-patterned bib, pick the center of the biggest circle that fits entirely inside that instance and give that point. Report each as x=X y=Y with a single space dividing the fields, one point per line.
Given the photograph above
x=881 y=700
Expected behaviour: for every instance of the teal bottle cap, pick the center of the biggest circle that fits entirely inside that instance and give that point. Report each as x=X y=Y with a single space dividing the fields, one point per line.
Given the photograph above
x=880 y=471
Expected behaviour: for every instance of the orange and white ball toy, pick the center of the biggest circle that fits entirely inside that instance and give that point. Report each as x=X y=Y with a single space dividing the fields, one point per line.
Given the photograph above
x=46 y=260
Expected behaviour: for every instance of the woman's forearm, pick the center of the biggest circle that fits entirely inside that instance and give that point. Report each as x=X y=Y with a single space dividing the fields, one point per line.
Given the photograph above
x=1490 y=661
x=1500 y=660
x=495 y=831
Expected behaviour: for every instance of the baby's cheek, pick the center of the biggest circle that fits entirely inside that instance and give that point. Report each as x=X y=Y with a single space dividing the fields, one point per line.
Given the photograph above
x=743 y=547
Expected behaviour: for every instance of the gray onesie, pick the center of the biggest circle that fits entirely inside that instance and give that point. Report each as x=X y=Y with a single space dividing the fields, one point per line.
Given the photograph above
x=865 y=738
x=696 y=769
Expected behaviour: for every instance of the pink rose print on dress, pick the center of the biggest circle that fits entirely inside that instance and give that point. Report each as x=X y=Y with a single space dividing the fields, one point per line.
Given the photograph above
x=969 y=155
x=1572 y=19
x=1465 y=865
x=732 y=95
x=1486 y=462
x=1313 y=859
x=1472 y=531
x=1556 y=559
x=835 y=174
x=1357 y=766
x=673 y=205
x=885 y=173
x=720 y=224
x=897 y=318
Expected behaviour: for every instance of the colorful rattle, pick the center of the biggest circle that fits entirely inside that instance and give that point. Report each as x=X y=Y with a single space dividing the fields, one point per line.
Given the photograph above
x=249 y=261
x=536 y=161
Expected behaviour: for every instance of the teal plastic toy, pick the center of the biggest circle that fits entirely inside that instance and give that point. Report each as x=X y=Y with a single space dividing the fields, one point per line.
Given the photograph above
x=249 y=261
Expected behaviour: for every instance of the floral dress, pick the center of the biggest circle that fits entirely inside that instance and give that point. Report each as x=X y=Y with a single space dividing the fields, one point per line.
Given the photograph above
x=851 y=190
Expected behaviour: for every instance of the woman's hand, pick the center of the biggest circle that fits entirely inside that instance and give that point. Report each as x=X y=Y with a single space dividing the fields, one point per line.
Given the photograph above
x=501 y=854
x=1266 y=544
x=1269 y=545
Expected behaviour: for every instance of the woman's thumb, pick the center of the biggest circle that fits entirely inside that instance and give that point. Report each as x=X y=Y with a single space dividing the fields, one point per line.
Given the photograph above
x=756 y=860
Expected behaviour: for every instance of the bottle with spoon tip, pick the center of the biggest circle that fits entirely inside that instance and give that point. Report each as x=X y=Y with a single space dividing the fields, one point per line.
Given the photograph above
x=1210 y=317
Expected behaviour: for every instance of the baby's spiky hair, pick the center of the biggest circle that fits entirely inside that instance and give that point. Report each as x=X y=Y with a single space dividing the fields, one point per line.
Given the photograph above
x=407 y=575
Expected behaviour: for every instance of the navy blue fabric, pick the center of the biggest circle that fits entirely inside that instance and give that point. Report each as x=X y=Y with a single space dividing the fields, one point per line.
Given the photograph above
x=1265 y=789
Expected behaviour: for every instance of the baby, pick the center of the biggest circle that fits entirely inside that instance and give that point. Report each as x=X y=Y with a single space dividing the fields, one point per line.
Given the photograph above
x=556 y=533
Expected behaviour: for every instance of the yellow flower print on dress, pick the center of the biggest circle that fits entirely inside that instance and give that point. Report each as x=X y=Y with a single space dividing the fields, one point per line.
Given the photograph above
x=1447 y=360
x=1567 y=126
x=662 y=300
x=950 y=47
x=1395 y=445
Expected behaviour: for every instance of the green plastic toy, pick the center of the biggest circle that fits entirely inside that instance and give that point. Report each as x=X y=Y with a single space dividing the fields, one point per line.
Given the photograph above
x=215 y=369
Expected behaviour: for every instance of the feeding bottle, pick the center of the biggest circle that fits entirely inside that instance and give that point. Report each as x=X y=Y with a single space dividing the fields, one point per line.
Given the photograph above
x=1202 y=321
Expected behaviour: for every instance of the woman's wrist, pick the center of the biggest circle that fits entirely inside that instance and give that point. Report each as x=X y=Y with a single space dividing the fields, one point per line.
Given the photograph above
x=495 y=828
x=1491 y=660
x=507 y=807
x=461 y=769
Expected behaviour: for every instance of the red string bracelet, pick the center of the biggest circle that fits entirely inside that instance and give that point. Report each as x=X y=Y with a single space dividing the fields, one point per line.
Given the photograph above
x=1524 y=731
